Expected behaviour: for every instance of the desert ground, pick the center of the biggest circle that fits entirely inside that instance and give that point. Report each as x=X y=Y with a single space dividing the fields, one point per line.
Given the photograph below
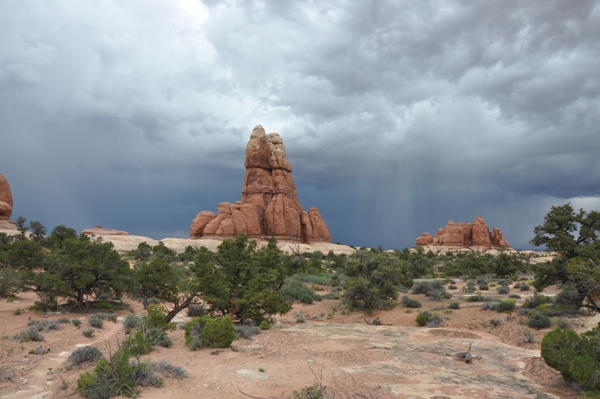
x=333 y=346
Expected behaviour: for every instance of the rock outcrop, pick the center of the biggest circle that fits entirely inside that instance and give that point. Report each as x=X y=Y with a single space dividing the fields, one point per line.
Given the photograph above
x=101 y=231
x=269 y=204
x=6 y=205
x=476 y=234
x=6 y=200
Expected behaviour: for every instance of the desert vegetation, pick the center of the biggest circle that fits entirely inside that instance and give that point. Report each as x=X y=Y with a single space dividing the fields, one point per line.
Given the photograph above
x=228 y=293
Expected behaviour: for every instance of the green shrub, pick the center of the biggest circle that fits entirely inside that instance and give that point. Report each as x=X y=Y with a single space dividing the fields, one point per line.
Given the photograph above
x=44 y=325
x=131 y=321
x=452 y=287
x=524 y=287
x=76 y=322
x=502 y=306
x=246 y=331
x=569 y=299
x=85 y=354
x=95 y=321
x=536 y=300
x=195 y=345
x=434 y=320
x=321 y=279
x=17 y=311
x=264 y=325
x=537 y=320
x=165 y=342
x=478 y=298
x=89 y=332
x=155 y=318
x=560 y=347
x=527 y=338
x=410 y=303
x=196 y=310
x=141 y=341
x=193 y=330
x=296 y=291
x=484 y=287
x=562 y=323
x=315 y=391
x=105 y=305
x=422 y=318
x=31 y=334
x=64 y=320
x=470 y=287
x=167 y=369
x=454 y=305
x=515 y=296
x=428 y=287
x=212 y=332
x=503 y=290
x=116 y=376
x=300 y=318
x=218 y=333
x=585 y=369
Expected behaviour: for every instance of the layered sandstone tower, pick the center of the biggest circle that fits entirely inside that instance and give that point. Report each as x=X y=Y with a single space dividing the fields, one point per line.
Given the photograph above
x=476 y=234
x=6 y=205
x=269 y=204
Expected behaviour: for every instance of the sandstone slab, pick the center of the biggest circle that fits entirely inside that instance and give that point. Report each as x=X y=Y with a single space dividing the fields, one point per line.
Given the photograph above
x=102 y=231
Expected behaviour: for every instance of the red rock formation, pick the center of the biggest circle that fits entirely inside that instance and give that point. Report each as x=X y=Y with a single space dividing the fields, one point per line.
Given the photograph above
x=481 y=233
x=101 y=231
x=269 y=204
x=6 y=200
x=425 y=239
x=476 y=234
x=498 y=240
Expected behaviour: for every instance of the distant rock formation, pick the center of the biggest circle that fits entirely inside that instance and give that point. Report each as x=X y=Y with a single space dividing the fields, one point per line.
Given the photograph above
x=476 y=234
x=6 y=205
x=269 y=204
x=101 y=231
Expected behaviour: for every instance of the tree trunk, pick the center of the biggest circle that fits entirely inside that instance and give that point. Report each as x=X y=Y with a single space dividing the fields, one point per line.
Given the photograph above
x=178 y=308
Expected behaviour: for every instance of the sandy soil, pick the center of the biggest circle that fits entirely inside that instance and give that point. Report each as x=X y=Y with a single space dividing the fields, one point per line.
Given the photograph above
x=356 y=360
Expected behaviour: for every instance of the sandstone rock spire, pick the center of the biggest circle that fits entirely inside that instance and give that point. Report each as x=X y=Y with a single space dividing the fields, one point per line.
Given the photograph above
x=269 y=204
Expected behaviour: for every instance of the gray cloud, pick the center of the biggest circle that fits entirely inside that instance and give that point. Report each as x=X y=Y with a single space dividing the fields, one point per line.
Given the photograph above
x=396 y=115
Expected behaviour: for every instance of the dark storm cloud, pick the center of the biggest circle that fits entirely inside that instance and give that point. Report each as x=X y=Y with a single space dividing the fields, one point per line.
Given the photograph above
x=396 y=115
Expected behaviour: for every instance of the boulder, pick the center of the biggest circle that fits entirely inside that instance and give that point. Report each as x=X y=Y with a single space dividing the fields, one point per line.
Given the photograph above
x=425 y=239
x=6 y=200
x=269 y=204
x=476 y=236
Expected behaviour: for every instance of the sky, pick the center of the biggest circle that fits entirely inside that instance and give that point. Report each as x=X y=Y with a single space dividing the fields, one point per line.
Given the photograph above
x=397 y=116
